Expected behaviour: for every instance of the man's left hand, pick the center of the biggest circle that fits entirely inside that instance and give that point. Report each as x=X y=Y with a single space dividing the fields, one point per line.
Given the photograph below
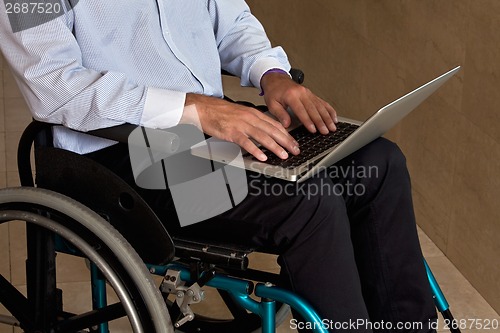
x=281 y=92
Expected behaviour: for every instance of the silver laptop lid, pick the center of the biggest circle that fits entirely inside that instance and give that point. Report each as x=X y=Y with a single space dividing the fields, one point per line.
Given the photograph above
x=382 y=121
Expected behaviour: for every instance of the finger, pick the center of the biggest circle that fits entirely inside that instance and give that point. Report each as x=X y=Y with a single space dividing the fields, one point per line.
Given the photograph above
x=285 y=140
x=274 y=140
x=332 y=111
x=266 y=131
x=315 y=115
x=273 y=122
x=301 y=113
x=283 y=137
x=247 y=144
x=279 y=112
x=268 y=142
x=326 y=116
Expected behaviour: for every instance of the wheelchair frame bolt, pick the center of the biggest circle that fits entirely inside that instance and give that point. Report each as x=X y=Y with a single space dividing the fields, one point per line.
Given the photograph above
x=268 y=284
x=180 y=294
x=172 y=278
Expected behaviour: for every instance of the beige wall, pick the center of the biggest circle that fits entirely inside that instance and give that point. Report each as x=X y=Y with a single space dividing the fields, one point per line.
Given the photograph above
x=14 y=116
x=361 y=54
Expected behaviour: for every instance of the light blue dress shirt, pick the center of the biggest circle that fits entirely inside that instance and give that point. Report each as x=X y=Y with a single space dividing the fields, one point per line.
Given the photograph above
x=104 y=63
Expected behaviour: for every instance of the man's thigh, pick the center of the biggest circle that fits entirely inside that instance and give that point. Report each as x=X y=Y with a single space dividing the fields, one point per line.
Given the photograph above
x=274 y=213
x=274 y=210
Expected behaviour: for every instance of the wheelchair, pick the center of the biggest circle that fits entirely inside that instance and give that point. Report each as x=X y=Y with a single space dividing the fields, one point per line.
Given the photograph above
x=80 y=208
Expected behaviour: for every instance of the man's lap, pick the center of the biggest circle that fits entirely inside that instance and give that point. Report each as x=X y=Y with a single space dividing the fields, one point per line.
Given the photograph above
x=271 y=202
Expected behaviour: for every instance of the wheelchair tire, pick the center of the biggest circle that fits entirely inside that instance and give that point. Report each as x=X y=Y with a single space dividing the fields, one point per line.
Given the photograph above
x=100 y=243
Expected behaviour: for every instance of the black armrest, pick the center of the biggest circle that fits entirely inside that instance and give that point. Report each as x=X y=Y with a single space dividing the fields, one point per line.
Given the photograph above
x=297 y=75
x=39 y=134
x=118 y=133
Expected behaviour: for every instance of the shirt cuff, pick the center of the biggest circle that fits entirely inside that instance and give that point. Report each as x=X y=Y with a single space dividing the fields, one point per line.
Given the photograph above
x=163 y=108
x=263 y=65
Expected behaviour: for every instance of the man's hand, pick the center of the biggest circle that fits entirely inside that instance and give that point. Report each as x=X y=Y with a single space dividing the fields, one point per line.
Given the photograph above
x=281 y=92
x=239 y=124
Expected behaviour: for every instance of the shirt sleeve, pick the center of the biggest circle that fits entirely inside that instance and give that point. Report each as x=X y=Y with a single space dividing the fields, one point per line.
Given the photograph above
x=244 y=48
x=46 y=62
x=162 y=108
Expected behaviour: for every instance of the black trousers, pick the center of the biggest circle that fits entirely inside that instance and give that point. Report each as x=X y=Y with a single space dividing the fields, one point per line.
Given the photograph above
x=346 y=239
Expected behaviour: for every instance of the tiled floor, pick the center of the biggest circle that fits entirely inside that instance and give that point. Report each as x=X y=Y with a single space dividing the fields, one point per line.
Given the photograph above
x=465 y=302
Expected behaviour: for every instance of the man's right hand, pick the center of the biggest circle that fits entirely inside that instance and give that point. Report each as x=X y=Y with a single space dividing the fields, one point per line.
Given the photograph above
x=239 y=124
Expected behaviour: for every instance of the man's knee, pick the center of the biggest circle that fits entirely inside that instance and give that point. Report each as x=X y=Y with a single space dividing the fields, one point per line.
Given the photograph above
x=375 y=166
x=319 y=215
x=320 y=199
x=385 y=153
x=379 y=159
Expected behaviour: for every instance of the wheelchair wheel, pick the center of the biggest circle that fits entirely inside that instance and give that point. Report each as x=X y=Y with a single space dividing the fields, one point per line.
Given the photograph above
x=49 y=213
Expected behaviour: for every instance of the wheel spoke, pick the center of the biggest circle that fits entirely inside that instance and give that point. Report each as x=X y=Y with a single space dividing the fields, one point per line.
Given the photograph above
x=91 y=318
x=16 y=303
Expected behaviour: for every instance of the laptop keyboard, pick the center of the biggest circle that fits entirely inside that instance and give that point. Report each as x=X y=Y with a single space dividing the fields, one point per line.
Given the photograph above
x=310 y=144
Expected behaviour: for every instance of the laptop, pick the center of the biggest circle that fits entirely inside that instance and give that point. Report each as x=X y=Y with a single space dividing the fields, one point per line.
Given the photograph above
x=319 y=151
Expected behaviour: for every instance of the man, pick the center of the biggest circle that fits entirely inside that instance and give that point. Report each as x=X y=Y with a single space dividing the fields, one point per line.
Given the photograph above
x=158 y=64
